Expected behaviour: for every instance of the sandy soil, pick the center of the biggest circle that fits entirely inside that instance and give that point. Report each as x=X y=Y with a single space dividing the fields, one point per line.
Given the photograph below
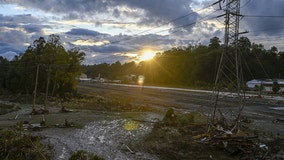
x=263 y=114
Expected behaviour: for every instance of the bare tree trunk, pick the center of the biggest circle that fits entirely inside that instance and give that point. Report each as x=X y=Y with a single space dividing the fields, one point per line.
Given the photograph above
x=35 y=90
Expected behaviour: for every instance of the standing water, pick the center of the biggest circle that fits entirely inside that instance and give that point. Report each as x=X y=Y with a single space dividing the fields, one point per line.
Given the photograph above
x=110 y=139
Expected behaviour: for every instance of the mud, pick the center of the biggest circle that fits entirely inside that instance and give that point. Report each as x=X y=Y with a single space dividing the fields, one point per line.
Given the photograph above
x=118 y=122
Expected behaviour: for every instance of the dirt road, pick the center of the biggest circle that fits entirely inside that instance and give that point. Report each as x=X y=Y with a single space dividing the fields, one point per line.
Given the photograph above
x=263 y=114
x=115 y=133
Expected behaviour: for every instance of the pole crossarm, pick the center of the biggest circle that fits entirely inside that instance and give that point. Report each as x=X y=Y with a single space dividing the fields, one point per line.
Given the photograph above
x=229 y=72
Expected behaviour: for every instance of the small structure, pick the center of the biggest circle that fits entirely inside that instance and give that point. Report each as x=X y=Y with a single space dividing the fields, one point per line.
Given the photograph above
x=99 y=79
x=84 y=78
x=252 y=84
x=267 y=84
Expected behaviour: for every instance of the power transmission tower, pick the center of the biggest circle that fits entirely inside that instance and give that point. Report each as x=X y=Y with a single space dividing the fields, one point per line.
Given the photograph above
x=229 y=74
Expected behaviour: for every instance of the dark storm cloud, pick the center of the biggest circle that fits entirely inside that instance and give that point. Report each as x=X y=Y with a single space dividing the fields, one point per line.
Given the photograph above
x=161 y=11
x=26 y=22
x=64 y=6
x=156 y=12
x=109 y=49
x=120 y=45
x=34 y=28
x=16 y=19
x=83 y=32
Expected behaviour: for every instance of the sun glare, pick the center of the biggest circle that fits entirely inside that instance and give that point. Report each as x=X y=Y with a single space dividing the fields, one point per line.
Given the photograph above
x=147 y=55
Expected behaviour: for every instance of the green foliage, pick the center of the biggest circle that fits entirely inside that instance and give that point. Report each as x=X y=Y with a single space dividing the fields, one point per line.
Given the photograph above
x=196 y=66
x=16 y=145
x=259 y=88
x=56 y=65
x=170 y=114
x=83 y=155
x=4 y=66
x=192 y=118
x=275 y=87
x=193 y=66
x=184 y=119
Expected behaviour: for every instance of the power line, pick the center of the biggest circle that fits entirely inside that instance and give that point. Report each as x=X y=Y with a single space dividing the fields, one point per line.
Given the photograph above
x=181 y=17
x=268 y=29
x=182 y=26
x=205 y=18
x=166 y=23
x=262 y=16
x=248 y=2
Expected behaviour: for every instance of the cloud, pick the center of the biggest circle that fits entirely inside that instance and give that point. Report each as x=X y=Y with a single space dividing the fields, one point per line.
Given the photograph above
x=146 y=12
x=83 y=32
x=9 y=55
x=162 y=11
x=263 y=25
x=33 y=28
x=6 y=47
x=113 y=29
x=19 y=19
x=17 y=31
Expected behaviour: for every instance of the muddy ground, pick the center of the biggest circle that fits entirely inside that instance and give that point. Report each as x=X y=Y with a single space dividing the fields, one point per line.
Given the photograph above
x=126 y=122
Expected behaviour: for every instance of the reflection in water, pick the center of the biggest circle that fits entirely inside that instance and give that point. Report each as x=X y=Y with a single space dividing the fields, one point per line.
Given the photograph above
x=131 y=125
x=111 y=139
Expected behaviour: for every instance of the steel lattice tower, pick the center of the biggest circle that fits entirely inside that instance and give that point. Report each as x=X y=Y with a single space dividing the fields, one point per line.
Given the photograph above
x=232 y=19
x=229 y=74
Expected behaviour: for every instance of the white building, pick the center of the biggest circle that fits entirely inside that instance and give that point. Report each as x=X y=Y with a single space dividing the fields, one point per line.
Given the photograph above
x=266 y=83
x=84 y=78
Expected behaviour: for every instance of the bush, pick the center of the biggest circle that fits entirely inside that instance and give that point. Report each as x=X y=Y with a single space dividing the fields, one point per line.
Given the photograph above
x=275 y=87
x=16 y=145
x=83 y=155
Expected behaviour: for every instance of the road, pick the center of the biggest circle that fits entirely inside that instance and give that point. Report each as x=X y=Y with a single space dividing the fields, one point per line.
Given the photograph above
x=264 y=114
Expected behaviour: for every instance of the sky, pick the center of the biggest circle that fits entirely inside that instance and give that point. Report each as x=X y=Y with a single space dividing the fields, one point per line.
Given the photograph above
x=122 y=30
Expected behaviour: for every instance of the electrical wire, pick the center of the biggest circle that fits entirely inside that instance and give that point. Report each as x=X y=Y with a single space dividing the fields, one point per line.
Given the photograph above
x=249 y=1
x=166 y=23
x=205 y=18
x=261 y=16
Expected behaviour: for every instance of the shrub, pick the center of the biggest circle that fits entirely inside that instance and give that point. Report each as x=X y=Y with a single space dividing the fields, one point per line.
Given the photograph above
x=83 y=155
x=16 y=145
x=275 y=87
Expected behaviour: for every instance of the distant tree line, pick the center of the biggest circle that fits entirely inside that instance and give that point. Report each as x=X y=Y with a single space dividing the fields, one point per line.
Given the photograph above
x=54 y=68
x=195 y=66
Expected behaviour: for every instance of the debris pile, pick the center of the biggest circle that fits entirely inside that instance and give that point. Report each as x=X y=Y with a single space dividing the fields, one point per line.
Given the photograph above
x=187 y=135
x=42 y=110
x=233 y=139
x=239 y=143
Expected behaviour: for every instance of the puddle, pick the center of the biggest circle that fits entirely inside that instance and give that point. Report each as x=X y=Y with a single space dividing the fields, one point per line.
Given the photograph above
x=110 y=139
x=278 y=108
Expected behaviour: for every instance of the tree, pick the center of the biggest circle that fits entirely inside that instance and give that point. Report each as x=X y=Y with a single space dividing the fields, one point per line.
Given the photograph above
x=4 y=68
x=245 y=45
x=214 y=43
x=275 y=87
x=273 y=51
x=58 y=68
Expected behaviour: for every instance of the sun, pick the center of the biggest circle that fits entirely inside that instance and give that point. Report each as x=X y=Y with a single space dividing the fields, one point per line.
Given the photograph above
x=147 y=55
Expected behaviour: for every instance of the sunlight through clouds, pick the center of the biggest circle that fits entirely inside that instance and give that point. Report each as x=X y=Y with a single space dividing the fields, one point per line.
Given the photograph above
x=90 y=43
x=147 y=55
x=126 y=26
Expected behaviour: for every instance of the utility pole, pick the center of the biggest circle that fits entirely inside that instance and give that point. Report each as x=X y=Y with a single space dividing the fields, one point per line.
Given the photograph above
x=47 y=87
x=230 y=69
x=35 y=90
